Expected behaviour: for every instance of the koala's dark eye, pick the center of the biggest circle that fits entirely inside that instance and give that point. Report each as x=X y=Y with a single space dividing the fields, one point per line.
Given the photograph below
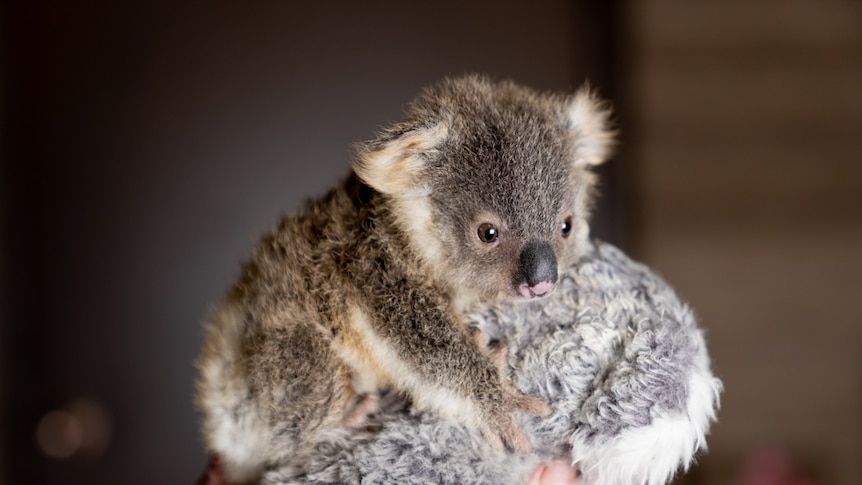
x=567 y=226
x=488 y=232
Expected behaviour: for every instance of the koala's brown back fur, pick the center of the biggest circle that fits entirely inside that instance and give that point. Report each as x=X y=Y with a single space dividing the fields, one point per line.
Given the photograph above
x=363 y=288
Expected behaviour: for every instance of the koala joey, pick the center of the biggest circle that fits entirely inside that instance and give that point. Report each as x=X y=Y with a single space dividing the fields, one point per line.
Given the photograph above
x=481 y=193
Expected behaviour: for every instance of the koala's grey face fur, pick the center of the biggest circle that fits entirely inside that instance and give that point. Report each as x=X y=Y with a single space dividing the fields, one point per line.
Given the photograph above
x=506 y=168
x=491 y=182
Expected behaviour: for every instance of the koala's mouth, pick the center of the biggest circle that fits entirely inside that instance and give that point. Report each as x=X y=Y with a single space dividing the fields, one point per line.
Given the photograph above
x=539 y=290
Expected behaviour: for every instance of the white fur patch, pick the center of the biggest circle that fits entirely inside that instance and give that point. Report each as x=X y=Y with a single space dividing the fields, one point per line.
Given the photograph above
x=589 y=120
x=365 y=378
x=395 y=168
x=233 y=429
x=651 y=455
x=415 y=217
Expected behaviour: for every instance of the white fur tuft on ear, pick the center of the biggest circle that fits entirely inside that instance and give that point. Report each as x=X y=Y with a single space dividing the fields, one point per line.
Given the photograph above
x=589 y=120
x=394 y=166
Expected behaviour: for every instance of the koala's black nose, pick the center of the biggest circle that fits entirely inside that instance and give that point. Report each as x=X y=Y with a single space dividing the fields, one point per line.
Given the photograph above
x=537 y=273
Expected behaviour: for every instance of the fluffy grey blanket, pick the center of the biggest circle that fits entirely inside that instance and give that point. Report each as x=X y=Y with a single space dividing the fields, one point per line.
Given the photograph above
x=613 y=350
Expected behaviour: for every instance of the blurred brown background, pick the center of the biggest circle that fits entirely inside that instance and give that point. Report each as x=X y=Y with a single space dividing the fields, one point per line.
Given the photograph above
x=146 y=144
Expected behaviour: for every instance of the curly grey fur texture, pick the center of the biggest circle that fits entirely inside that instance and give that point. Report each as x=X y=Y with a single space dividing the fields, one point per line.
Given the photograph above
x=614 y=351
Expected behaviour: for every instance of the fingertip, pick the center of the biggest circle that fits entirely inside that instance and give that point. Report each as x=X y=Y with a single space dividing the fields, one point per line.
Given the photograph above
x=558 y=472
x=536 y=476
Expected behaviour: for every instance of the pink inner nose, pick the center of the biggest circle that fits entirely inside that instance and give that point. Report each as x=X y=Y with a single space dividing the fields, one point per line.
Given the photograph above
x=540 y=289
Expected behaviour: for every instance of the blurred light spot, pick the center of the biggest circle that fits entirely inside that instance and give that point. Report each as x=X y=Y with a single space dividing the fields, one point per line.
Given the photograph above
x=82 y=428
x=59 y=434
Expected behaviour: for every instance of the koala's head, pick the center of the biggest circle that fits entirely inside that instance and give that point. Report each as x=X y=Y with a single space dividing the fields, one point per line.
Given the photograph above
x=491 y=183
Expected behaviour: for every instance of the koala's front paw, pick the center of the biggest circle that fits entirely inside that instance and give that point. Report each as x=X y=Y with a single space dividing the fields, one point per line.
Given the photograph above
x=500 y=426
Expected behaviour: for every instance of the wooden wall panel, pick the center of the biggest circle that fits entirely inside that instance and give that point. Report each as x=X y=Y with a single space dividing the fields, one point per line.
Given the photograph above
x=749 y=196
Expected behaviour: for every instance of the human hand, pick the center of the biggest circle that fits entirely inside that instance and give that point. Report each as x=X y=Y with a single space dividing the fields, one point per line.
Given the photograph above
x=213 y=474
x=557 y=472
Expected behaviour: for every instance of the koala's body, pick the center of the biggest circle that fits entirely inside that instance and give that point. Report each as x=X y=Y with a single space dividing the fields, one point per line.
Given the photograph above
x=481 y=193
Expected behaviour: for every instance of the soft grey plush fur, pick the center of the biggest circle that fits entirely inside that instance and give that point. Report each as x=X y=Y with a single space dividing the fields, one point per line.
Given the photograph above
x=613 y=350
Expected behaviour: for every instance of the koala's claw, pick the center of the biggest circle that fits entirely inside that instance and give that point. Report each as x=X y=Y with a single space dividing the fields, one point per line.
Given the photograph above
x=363 y=407
x=501 y=427
x=504 y=431
x=533 y=405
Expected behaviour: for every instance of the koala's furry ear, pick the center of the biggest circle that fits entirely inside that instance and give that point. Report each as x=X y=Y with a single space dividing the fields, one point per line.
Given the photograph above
x=394 y=163
x=588 y=118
